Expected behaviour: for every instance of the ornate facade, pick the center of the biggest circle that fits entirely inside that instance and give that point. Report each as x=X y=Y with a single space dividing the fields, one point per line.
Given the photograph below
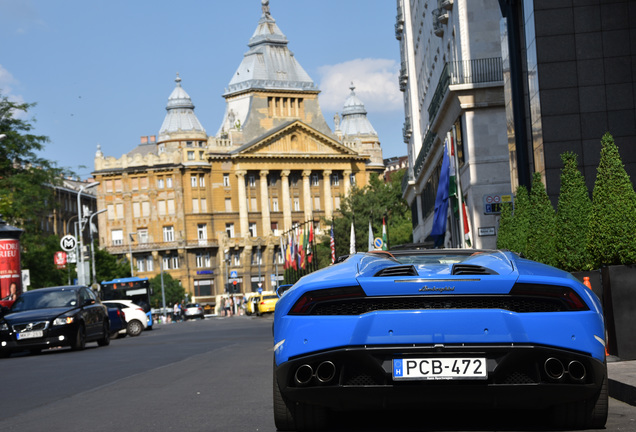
x=210 y=210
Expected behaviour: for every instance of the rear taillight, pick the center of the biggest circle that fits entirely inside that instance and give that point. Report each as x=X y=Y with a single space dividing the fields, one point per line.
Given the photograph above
x=566 y=295
x=311 y=298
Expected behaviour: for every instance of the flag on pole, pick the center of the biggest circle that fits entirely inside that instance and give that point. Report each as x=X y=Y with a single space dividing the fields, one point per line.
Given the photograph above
x=371 y=247
x=282 y=252
x=385 y=246
x=441 y=200
x=310 y=240
x=466 y=226
x=288 y=253
x=303 y=248
x=352 y=241
x=332 y=245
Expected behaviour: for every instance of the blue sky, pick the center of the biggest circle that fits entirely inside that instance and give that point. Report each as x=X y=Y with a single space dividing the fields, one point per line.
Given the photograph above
x=101 y=71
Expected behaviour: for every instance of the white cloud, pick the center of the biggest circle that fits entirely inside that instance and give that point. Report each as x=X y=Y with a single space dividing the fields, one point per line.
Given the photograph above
x=375 y=81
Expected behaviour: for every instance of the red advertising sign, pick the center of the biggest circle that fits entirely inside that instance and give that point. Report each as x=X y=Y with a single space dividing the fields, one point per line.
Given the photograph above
x=60 y=259
x=10 y=272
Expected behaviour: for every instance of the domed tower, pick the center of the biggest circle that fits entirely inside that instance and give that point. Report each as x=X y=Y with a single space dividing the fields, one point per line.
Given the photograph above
x=269 y=89
x=355 y=126
x=180 y=122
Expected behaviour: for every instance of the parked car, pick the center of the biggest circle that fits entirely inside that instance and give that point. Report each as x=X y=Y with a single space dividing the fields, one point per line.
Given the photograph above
x=193 y=310
x=266 y=304
x=415 y=328
x=136 y=318
x=117 y=322
x=55 y=316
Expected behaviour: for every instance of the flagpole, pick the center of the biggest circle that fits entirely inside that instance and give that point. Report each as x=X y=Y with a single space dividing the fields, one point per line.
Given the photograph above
x=460 y=196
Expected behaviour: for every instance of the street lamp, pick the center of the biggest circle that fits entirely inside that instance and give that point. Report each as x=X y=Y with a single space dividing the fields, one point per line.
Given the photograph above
x=130 y=236
x=2 y=136
x=81 y=275
x=90 y=229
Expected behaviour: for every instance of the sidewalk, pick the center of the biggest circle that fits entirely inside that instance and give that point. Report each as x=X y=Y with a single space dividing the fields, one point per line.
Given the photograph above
x=622 y=380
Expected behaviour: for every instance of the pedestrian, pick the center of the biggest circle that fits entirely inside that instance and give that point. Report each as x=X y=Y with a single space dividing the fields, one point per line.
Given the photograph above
x=226 y=307
x=175 y=312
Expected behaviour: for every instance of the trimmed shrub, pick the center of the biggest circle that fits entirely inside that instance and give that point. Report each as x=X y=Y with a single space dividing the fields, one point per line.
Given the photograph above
x=514 y=223
x=612 y=228
x=573 y=218
x=542 y=224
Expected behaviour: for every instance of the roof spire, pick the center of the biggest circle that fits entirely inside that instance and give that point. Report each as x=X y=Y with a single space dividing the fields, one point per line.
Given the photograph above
x=265 y=6
x=178 y=80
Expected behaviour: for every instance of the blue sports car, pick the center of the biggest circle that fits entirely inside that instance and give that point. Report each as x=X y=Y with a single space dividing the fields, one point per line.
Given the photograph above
x=415 y=328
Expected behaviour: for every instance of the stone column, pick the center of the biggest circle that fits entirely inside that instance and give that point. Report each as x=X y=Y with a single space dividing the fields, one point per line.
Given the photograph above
x=267 y=224
x=240 y=176
x=347 y=182
x=307 y=194
x=326 y=178
x=287 y=218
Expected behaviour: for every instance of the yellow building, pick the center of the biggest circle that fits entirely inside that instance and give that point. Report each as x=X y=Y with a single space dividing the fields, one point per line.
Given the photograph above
x=209 y=209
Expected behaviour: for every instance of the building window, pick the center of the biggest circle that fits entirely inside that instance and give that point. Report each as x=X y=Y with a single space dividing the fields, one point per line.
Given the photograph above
x=335 y=180
x=201 y=156
x=229 y=229
x=315 y=180
x=252 y=229
x=195 y=205
x=204 y=205
x=160 y=183
x=161 y=207
x=253 y=205
x=202 y=231
x=117 y=237
x=171 y=262
x=143 y=182
x=169 y=182
x=171 y=206
x=190 y=155
x=226 y=180
x=251 y=180
x=275 y=228
x=228 y=204
x=296 y=204
x=257 y=257
x=336 y=200
x=236 y=258
x=275 y=204
x=201 y=181
x=144 y=263
x=272 y=179
x=193 y=181
x=316 y=203
x=168 y=233
x=203 y=260
x=352 y=179
x=142 y=235
x=145 y=209
x=136 y=209
x=134 y=183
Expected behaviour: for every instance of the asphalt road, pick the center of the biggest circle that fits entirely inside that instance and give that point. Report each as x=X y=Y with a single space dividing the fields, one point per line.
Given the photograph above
x=212 y=375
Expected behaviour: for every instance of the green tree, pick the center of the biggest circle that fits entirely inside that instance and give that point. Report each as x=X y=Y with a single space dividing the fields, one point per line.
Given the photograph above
x=172 y=287
x=26 y=197
x=612 y=229
x=541 y=234
x=514 y=224
x=109 y=267
x=40 y=262
x=573 y=217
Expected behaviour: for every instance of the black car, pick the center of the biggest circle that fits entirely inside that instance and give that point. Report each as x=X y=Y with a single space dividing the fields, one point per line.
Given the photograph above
x=53 y=317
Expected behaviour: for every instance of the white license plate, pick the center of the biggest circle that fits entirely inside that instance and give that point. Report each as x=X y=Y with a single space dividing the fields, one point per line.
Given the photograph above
x=31 y=334
x=439 y=368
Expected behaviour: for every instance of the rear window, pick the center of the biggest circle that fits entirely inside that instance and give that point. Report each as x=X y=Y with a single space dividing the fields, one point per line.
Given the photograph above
x=270 y=297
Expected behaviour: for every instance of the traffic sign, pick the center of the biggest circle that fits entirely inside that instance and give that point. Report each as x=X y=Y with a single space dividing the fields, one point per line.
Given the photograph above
x=377 y=243
x=68 y=243
x=233 y=274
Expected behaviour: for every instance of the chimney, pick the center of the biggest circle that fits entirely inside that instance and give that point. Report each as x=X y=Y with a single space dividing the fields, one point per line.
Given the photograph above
x=153 y=139
x=144 y=140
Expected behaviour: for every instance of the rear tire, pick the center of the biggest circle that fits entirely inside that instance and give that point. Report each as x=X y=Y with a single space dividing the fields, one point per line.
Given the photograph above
x=80 y=339
x=587 y=414
x=135 y=327
x=105 y=340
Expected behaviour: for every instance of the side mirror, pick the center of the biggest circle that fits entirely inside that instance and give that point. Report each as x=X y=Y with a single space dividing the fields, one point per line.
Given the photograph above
x=282 y=289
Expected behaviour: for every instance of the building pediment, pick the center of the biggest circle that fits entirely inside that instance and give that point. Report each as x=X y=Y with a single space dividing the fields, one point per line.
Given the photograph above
x=296 y=139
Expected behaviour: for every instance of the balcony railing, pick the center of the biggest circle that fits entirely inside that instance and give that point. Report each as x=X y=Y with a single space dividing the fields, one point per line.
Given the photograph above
x=476 y=71
x=429 y=139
